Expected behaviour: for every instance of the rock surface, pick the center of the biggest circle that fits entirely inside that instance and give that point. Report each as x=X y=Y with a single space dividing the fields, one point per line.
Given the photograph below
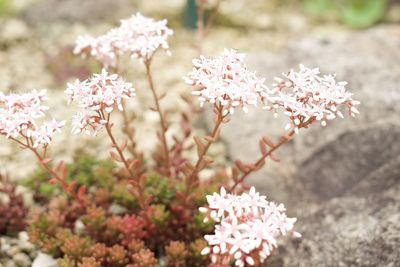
x=357 y=227
x=16 y=251
x=341 y=181
x=344 y=167
x=367 y=60
x=87 y=11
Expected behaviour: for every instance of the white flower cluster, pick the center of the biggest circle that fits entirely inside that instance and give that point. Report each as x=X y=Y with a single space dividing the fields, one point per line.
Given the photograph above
x=97 y=97
x=247 y=227
x=306 y=95
x=19 y=114
x=138 y=36
x=225 y=80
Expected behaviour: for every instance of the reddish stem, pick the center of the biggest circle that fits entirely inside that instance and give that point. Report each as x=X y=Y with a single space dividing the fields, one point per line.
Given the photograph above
x=161 y=115
x=214 y=134
x=211 y=18
x=108 y=126
x=126 y=119
x=284 y=139
x=53 y=174
x=204 y=28
x=200 y=26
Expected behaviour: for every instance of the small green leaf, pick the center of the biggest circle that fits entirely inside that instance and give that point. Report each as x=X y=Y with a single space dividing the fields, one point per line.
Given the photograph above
x=362 y=13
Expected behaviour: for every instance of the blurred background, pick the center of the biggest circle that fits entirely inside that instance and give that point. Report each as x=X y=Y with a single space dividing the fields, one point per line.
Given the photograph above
x=342 y=181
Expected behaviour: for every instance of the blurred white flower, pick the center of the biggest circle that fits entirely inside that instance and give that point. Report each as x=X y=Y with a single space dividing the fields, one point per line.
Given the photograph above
x=138 y=36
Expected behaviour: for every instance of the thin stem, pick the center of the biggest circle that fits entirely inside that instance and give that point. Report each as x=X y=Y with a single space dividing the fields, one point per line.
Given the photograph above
x=49 y=170
x=127 y=120
x=284 y=139
x=211 y=18
x=46 y=167
x=161 y=115
x=118 y=148
x=108 y=126
x=200 y=25
x=214 y=135
x=127 y=130
x=204 y=28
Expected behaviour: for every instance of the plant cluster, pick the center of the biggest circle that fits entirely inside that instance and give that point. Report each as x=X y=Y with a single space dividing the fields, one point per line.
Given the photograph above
x=12 y=208
x=142 y=212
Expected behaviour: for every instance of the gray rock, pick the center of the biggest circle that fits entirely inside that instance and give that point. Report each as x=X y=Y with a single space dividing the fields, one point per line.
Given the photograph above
x=348 y=231
x=356 y=223
x=22 y=260
x=341 y=181
x=88 y=11
x=368 y=60
x=340 y=165
x=358 y=229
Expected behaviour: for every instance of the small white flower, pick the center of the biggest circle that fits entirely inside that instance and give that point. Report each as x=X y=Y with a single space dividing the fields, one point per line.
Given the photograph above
x=306 y=95
x=226 y=80
x=103 y=92
x=19 y=114
x=246 y=224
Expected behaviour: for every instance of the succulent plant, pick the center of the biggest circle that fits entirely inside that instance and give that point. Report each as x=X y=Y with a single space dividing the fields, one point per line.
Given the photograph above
x=13 y=212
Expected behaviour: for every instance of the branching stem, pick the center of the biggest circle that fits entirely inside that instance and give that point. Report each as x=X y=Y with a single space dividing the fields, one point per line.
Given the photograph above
x=163 y=124
x=142 y=199
x=284 y=139
x=46 y=167
x=214 y=135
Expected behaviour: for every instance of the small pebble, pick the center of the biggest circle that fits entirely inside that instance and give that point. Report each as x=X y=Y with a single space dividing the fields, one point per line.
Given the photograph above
x=10 y=263
x=13 y=251
x=26 y=246
x=79 y=227
x=23 y=236
x=117 y=209
x=4 y=244
x=22 y=260
x=33 y=254
x=44 y=260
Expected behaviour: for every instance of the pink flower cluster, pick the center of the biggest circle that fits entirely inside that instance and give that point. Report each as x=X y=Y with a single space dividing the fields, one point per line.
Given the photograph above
x=19 y=114
x=97 y=97
x=137 y=36
x=247 y=227
x=225 y=80
x=306 y=95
